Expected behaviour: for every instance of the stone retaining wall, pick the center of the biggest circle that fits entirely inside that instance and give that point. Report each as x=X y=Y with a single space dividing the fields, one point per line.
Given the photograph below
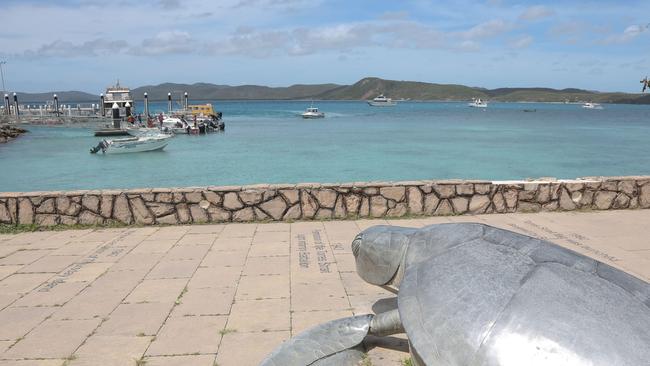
x=321 y=201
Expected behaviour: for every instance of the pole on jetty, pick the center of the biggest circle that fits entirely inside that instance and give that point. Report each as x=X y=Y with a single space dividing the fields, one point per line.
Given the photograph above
x=146 y=105
x=169 y=102
x=127 y=108
x=56 y=105
x=7 y=109
x=116 y=115
x=16 y=110
x=186 y=97
x=102 y=109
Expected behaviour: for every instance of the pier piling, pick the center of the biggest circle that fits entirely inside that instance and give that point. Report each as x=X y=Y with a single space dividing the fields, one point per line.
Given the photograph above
x=169 y=102
x=116 y=115
x=186 y=98
x=146 y=105
x=16 y=110
x=7 y=109
x=101 y=105
x=56 y=105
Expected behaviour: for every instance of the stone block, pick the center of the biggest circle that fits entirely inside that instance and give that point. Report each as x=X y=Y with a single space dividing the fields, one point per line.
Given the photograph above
x=587 y=199
x=399 y=210
x=245 y=214
x=193 y=197
x=339 y=208
x=430 y=203
x=274 y=208
x=604 y=199
x=183 y=213
x=250 y=198
x=308 y=204
x=644 y=196
x=566 y=202
x=165 y=197
x=573 y=187
x=527 y=195
x=499 y=203
x=609 y=186
x=371 y=191
x=444 y=208
x=460 y=204
x=415 y=203
x=628 y=187
x=90 y=202
x=141 y=214
x=482 y=188
x=212 y=197
x=364 y=210
x=291 y=195
x=510 y=196
x=325 y=197
x=529 y=207
x=170 y=219
x=466 y=189
x=46 y=206
x=621 y=201
x=231 y=201
x=121 y=210
x=352 y=203
x=25 y=211
x=396 y=194
x=199 y=215
x=378 y=206
x=45 y=219
x=543 y=193
x=479 y=203
x=445 y=190
x=160 y=209
x=217 y=214
x=5 y=216
x=293 y=213
x=106 y=206
x=324 y=213
x=551 y=206
x=90 y=218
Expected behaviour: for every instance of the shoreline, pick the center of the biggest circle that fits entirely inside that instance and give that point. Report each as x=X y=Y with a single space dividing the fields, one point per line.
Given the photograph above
x=321 y=201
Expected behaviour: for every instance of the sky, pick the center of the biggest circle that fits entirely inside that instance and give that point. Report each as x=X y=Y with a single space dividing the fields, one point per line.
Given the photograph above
x=88 y=44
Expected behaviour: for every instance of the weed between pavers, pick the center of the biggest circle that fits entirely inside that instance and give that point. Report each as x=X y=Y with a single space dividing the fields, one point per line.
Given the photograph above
x=225 y=331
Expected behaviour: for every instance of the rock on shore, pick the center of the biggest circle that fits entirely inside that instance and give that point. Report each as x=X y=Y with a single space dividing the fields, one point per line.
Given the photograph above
x=8 y=132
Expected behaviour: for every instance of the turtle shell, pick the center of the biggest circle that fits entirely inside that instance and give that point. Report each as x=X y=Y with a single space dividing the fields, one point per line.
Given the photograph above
x=477 y=295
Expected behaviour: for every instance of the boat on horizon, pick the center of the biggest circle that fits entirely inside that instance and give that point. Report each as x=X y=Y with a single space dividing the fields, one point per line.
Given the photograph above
x=477 y=103
x=132 y=144
x=590 y=105
x=312 y=113
x=382 y=101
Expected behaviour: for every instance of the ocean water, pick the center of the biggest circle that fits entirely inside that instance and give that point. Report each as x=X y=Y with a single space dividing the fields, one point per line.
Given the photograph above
x=267 y=142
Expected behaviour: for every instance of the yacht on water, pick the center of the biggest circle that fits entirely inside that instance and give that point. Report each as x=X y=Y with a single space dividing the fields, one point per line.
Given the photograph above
x=312 y=112
x=477 y=103
x=590 y=105
x=382 y=101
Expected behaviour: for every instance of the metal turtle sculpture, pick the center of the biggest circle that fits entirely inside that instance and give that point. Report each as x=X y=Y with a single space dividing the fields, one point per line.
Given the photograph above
x=475 y=295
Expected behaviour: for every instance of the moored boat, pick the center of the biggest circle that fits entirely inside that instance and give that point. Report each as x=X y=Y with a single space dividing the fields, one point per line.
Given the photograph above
x=477 y=103
x=382 y=101
x=312 y=112
x=132 y=144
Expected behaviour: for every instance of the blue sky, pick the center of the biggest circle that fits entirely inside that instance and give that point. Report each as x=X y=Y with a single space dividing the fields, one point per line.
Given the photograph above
x=87 y=44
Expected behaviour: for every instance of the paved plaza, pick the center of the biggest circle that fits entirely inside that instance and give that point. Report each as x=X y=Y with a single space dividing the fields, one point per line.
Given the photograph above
x=208 y=295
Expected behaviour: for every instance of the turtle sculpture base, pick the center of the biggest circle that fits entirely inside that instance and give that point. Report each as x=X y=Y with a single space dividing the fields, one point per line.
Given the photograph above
x=475 y=295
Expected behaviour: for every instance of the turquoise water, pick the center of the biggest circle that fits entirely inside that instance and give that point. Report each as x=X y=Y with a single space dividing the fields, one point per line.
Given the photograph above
x=266 y=142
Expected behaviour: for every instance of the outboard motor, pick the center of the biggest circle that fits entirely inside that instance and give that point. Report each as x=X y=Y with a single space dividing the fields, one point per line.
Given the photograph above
x=101 y=146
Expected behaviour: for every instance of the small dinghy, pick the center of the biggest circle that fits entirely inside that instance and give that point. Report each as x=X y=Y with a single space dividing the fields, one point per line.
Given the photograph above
x=132 y=144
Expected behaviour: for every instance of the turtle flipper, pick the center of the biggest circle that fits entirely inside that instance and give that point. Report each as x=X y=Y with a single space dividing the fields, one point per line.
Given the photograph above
x=335 y=340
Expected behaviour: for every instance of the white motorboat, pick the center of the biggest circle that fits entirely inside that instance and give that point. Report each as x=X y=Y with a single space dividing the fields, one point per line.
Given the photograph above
x=590 y=105
x=132 y=144
x=313 y=112
x=143 y=131
x=175 y=125
x=477 y=103
x=382 y=101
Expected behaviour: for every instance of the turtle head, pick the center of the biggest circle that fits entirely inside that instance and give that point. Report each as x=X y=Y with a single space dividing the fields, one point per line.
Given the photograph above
x=379 y=253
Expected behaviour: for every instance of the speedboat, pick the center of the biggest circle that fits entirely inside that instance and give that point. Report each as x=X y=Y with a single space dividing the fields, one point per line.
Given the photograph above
x=132 y=144
x=382 y=101
x=312 y=112
x=590 y=105
x=477 y=103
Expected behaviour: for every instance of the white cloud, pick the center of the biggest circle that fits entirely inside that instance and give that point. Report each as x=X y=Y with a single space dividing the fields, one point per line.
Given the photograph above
x=486 y=29
x=628 y=34
x=522 y=42
x=536 y=12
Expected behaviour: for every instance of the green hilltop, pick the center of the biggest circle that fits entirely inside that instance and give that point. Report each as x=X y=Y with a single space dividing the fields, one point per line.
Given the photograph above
x=364 y=89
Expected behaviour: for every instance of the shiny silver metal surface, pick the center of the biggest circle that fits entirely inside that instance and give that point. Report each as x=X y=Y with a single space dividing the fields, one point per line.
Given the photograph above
x=322 y=342
x=477 y=295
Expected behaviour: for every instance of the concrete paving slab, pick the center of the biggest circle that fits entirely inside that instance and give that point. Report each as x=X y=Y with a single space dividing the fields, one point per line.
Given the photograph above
x=263 y=282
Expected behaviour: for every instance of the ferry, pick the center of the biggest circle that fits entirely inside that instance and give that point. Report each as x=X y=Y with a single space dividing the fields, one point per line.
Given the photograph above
x=120 y=95
x=382 y=101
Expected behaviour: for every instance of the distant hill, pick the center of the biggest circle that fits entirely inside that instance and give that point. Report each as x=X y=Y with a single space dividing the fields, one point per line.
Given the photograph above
x=364 y=89
x=225 y=92
x=63 y=96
